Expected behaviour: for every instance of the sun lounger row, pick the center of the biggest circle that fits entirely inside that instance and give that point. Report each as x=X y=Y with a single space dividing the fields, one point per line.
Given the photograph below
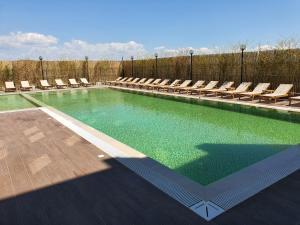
x=226 y=89
x=44 y=84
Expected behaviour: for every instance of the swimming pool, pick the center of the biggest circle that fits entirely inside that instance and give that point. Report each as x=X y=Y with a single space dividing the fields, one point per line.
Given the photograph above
x=204 y=141
x=13 y=102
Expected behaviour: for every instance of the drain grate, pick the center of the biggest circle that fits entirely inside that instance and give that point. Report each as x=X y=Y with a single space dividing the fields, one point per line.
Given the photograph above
x=207 y=210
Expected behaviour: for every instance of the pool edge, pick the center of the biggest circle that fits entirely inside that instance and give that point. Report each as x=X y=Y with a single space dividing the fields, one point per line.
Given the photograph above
x=211 y=99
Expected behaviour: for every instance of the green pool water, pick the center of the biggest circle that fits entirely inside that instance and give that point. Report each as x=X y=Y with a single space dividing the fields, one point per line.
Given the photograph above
x=205 y=141
x=12 y=102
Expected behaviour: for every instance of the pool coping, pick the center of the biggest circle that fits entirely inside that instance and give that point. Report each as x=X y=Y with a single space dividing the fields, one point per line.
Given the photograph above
x=19 y=110
x=49 y=90
x=219 y=196
x=209 y=98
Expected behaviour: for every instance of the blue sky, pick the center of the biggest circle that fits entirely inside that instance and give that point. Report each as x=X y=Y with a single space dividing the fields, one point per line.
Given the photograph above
x=141 y=27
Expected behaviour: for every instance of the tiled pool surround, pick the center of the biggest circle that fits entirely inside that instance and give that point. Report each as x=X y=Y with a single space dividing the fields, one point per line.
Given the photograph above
x=225 y=193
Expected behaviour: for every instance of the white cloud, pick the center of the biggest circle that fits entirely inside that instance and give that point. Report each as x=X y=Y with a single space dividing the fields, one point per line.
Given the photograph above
x=167 y=52
x=19 y=39
x=30 y=45
x=78 y=48
x=21 y=45
x=264 y=47
x=160 y=48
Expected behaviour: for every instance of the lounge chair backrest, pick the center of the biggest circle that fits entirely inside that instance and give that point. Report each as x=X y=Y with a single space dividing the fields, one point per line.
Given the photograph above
x=73 y=81
x=135 y=80
x=243 y=86
x=84 y=80
x=211 y=84
x=149 y=81
x=199 y=83
x=185 y=83
x=9 y=84
x=129 y=79
x=124 y=79
x=59 y=82
x=119 y=78
x=156 y=81
x=164 y=82
x=226 y=84
x=175 y=82
x=142 y=80
x=44 y=83
x=25 y=84
x=283 y=89
x=261 y=87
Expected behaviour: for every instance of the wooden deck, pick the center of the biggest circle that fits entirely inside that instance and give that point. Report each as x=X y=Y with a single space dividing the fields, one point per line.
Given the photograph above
x=49 y=175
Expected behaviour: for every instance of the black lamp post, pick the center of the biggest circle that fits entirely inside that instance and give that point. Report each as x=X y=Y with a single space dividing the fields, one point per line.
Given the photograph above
x=156 y=73
x=191 y=69
x=41 y=65
x=132 y=66
x=122 y=64
x=243 y=48
x=87 y=67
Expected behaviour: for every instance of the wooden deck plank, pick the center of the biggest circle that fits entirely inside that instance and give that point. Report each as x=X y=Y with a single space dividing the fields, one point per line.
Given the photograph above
x=18 y=172
x=6 y=189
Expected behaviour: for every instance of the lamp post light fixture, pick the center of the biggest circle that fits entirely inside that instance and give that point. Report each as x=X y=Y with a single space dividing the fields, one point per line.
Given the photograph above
x=156 y=72
x=243 y=48
x=87 y=75
x=132 y=65
x=191 y=69
x=41 y=65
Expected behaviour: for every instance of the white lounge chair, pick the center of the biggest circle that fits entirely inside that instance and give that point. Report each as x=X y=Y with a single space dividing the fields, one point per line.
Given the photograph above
x=281 y=91
x=127 y=80
x=184 y=84
x=166 y=87
x=116 y=81
x=60 y=84
x=25 y=86
x=243 y=87
x=73 y=83
x=154 y=85
x=211 y=85
x=224 y=87
x=155 y=82
x=45 y=84
x=9 y=86
x=141 y=82
x=134 y=81
x=258 y=90
x=139 y=85
x=113 y=81
x=195 y=86
x=295 y=98
x=84 y=82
